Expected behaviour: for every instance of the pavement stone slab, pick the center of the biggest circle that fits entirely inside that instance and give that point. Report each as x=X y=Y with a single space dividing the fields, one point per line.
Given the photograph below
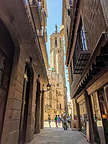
x=58 y=136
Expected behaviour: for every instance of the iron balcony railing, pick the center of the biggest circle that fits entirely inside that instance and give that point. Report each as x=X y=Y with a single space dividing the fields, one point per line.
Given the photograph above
x=32 y=23
x=80 y=59
x=36 y=11
x=39 y=17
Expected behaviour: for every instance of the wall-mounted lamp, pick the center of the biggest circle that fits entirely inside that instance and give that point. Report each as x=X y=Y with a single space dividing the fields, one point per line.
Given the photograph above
x=48 y=86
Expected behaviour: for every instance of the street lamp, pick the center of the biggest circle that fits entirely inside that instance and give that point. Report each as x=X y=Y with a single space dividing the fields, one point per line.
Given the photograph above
x=48 y=86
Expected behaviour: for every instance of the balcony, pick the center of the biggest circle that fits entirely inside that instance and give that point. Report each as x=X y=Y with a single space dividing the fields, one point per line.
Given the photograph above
x=43 y=15
x=45 y=35
x=80 y=60
x=81 y=53
x=40 y=32
x=36 y=11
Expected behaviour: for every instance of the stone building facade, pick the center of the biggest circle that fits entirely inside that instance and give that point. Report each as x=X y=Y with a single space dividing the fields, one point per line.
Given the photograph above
x=87 y=62
x=55 y=103
x=39 y=11
x=23 y=74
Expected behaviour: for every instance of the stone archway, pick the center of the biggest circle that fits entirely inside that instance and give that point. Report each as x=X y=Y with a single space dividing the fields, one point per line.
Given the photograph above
x=26 y=103
x=6 y=61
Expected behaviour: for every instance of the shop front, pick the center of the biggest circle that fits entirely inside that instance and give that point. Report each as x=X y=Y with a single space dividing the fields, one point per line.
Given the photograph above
x=83 y=113
x=103 y=97
x=97 y=120
x=98 y=92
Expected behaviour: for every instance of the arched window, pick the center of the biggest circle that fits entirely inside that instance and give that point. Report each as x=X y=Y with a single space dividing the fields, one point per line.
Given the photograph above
x=55 y=42
x=60 y=106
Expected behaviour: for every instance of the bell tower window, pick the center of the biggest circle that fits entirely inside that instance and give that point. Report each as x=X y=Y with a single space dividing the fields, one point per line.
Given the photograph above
x=55 y=42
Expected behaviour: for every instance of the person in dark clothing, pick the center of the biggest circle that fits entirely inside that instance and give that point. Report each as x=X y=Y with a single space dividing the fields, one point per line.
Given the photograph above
x=49 y=120
x=56 y=121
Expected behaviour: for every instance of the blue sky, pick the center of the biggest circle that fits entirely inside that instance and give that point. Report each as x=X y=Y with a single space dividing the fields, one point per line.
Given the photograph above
x=54 y=8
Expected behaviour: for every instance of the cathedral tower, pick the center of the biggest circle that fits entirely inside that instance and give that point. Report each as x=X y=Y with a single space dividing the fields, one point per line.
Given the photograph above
x=57 y=53
x=55 y=101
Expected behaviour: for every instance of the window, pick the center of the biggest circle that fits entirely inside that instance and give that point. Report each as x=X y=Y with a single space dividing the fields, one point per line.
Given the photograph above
x=33 y=1
x=55 y=42
x=60 y=106
x=57 y=84
x=57 y=66
x=52 y=59
x=84 y=45
x=50 y=99
x=70 y=2
x=67 y=32
x=81 y=40
x=81 y=53
x=60 y=42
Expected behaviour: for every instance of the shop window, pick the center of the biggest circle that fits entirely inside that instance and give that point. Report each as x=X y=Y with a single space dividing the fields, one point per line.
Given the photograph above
x=97 y=120
x=83 y=116
x=102 y=103
x=95 y=106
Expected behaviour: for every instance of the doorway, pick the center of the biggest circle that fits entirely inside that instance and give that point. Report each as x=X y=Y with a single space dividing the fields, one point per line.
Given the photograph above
x=6 y=60
x=104 y=112
x=37 y=108
x=26 y=102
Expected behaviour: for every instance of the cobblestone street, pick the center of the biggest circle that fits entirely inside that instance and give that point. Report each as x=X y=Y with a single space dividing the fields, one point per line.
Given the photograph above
x=58 y=136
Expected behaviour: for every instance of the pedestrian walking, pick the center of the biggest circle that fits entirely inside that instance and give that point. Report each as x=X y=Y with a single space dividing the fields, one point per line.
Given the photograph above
x=56 y=121
x=64 y=121
x=49 y=120
x=69 y=120
x=59 y=120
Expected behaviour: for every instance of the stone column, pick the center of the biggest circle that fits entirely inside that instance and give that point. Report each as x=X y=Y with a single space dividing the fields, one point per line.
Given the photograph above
x=42 y=110
x=106 y=95
x=37 y=109
x=78 y=115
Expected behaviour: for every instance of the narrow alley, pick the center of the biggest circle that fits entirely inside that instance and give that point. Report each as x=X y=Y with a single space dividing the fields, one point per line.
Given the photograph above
x=53 y=71
x=58 y=136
